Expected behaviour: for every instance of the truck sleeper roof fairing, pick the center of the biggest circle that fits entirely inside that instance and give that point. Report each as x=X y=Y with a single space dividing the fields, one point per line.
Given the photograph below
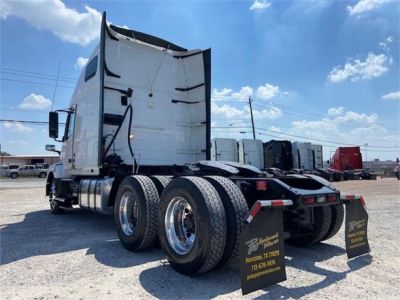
x=147 y=38
x=154 y=76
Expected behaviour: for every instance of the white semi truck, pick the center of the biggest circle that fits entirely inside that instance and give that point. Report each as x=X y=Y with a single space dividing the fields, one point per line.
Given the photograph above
x=137 y=145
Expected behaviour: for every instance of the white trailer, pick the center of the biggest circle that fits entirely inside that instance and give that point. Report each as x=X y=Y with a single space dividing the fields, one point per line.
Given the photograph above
x=302 y=156
x=223 y=149
x=251 y=152
x=137 y=145
x=317 y=156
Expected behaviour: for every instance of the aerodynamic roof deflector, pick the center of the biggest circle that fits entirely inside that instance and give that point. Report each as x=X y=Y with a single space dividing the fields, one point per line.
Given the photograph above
x=147 y=38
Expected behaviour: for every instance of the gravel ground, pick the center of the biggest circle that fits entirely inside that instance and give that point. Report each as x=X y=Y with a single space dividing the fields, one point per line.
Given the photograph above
x=77 y=255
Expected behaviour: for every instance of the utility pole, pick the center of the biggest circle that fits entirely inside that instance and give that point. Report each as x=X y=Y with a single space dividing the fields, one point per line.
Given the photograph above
x=366 y=152
x=252 y=119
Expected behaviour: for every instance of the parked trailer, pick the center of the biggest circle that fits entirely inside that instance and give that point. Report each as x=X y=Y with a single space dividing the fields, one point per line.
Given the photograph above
x=251 y=152
x=123 y=155
x=302 y=156
x=278 y=154
x=347 y=158
x=224 y=149
x=318 y=160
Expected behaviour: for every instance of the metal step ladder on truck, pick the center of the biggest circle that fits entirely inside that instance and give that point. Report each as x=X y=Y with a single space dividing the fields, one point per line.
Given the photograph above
x=137 y=145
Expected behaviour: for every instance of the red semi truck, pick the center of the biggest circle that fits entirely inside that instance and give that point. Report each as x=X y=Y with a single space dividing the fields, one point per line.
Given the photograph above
x=347 y=158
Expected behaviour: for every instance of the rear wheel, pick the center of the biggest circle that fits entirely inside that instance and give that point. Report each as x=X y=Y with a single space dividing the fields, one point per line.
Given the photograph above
x=160 y=182
x=42 y=175
x=14 y=175
x=337 y=221
x=192 y=225
x=135 y=212
x=236 y=211
x=320 y=228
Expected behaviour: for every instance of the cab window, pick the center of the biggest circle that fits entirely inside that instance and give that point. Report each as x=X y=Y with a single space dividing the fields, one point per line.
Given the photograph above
x=91 y=69
x=69 y=131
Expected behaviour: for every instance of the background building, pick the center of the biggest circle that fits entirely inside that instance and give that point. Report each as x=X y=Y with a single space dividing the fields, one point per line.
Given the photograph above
x=28 y=159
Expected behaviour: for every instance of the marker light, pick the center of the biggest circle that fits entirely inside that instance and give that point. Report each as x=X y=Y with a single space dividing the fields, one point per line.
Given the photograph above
x=261 y=185
x=308 y=199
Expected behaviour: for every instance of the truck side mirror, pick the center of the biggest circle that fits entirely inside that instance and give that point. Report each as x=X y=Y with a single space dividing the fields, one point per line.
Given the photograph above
x=52 y=148
x=53 y=124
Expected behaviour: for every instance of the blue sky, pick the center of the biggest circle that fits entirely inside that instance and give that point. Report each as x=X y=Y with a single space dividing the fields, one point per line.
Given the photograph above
x=320 y=71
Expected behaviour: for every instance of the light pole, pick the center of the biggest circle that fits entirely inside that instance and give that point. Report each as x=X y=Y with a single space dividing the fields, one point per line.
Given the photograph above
x=366 y=151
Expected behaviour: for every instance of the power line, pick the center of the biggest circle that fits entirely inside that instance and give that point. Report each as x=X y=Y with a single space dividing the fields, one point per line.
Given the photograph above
x=299 y=136
x=324 y=145
x=36 y=73
x=26 y=122
x=45 y=77
x=37 y=83
x=299 y=112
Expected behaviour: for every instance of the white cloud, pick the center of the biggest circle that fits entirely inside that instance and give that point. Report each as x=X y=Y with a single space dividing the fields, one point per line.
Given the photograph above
x=80 y=62
x=334 y=111
x=267 y=91
x=216 y=93
x=35 y=102
x=244 y=93
x=385 y=45
x=17 y=127
x=227 y=111
x=393 y=95
x=66 y=23
x=231 y=113
x=264 y=92
x=373 y=66
x=260 y=5
x=351 y=116
x=270 y=113
x=364 y=5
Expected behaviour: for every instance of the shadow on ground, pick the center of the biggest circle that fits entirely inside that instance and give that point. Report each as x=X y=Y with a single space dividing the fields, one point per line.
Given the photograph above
x=41 y=233
x=164 y=282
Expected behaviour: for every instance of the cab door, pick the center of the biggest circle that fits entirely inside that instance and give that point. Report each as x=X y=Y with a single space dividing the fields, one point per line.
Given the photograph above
x=69 y=140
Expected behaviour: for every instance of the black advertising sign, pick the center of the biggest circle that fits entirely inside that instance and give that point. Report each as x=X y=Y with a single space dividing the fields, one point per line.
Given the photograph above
x=356 y=228
x=262 y=259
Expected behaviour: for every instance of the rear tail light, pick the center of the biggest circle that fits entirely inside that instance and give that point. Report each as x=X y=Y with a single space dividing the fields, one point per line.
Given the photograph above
x=332 y=198
x=321 y=199
x=261 y=185
x=308 y=200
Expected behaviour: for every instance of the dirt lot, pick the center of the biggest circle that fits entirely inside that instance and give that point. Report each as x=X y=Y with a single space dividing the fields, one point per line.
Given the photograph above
x=77 y=255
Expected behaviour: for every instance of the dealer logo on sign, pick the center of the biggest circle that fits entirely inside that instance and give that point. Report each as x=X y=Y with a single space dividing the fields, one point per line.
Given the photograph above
x=268 y=241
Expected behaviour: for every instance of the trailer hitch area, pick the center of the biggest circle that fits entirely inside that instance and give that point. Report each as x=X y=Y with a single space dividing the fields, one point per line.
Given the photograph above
x=356 y=225
x=262 y=258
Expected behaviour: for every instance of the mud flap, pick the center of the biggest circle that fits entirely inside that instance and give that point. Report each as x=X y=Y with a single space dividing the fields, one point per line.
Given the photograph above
x=356 y=226
x=262 y=258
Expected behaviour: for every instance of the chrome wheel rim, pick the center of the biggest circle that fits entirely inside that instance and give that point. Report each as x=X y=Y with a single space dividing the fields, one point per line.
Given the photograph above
x=128 y=213
x=180 y=225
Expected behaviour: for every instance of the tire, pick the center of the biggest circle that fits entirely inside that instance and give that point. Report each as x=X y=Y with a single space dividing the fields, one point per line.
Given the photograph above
x=55 y=207
x=322 y=223
x=137 y=195
x=14 y=175
x=191 y=208
x=42 y=175
x=337 y=221
x=236 y=211
x=160 y=182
